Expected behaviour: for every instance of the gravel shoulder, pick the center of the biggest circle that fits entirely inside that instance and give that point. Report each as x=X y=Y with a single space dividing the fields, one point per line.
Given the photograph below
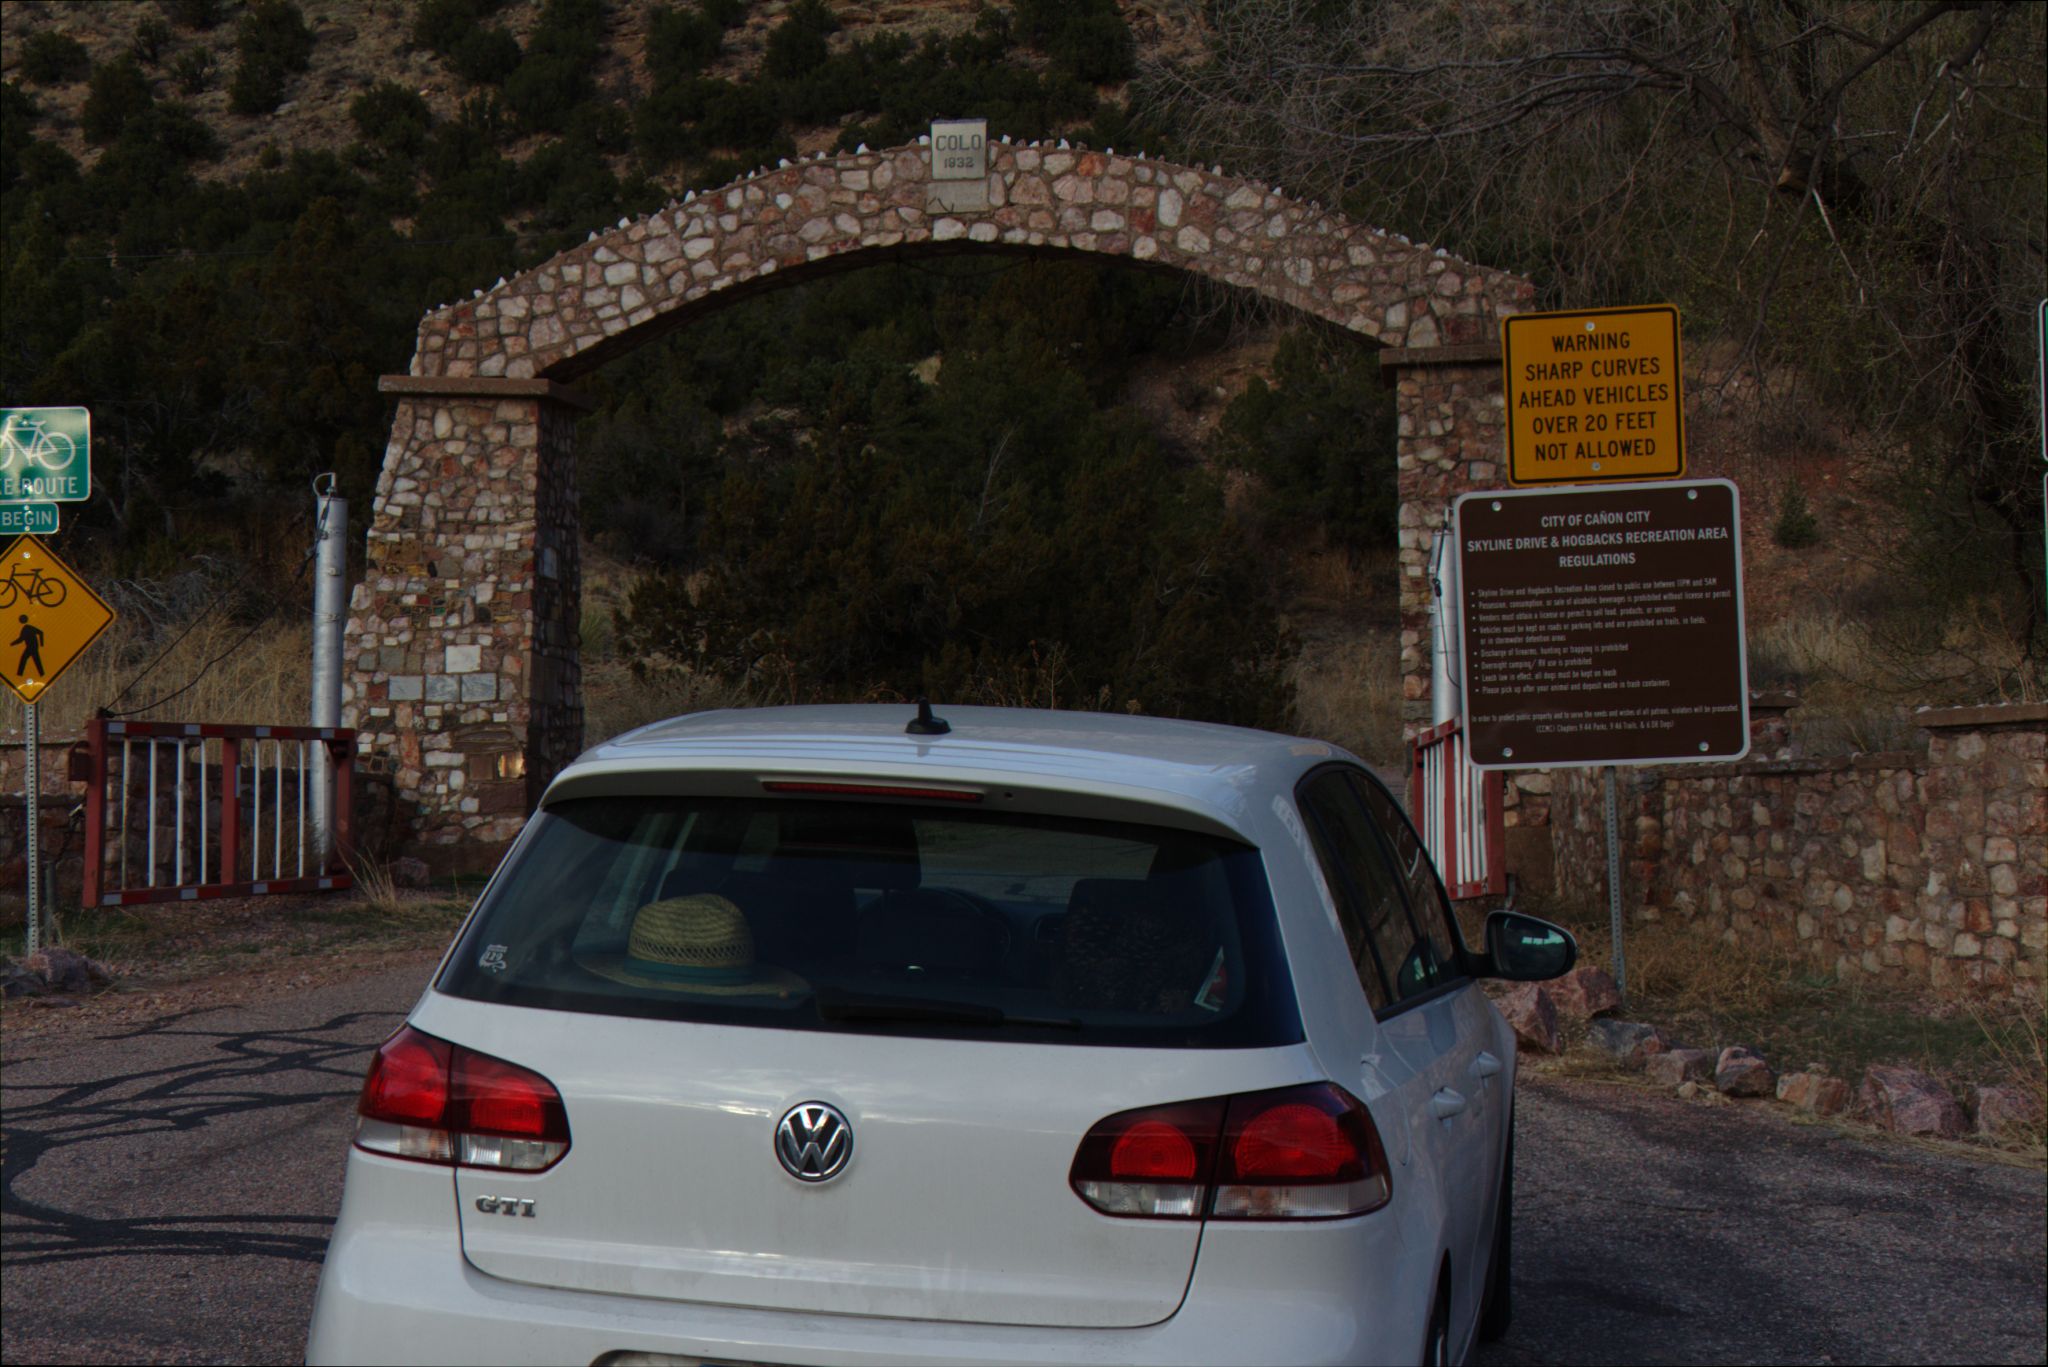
x=1650 y=1229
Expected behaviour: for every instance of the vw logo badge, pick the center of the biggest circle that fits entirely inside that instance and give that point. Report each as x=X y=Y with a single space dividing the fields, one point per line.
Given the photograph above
x=814 y=1142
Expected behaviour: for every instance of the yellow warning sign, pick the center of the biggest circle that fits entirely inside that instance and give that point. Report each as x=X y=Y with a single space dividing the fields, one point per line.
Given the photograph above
x=1593 y=395
x=50 y=617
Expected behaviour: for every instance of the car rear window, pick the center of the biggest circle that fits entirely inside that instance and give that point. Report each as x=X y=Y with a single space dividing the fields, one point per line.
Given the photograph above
x=862 y=916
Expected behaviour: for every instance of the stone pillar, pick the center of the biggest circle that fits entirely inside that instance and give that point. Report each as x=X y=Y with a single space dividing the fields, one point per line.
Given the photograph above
x=1451 y=439
x=462 y=674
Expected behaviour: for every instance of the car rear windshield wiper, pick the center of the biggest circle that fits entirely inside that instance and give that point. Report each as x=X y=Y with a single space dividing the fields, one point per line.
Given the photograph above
x=834 y=1006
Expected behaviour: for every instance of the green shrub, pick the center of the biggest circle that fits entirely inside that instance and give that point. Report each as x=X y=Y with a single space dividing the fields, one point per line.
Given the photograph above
x=198 y=15
x=681 y=43
x=52 y=58
x=258 y=85
x=393 y=118
x=736 y=116
x=119 y=93
x=796 y=46
x=1320 y=438
x=555 y=75
x=153 y=38
x=193 y=71
x=178 y=130
x=485 y=56
x=1796 y=526
x=271 y=42
x=1087 y=38
x=438 y=25
x=276 y=30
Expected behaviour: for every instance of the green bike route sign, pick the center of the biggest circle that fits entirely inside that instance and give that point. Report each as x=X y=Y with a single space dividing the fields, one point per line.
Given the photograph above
x=45 y=455
x=35 y=519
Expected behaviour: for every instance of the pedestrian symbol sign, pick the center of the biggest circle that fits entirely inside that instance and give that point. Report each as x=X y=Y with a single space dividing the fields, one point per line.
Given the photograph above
x=49 y=614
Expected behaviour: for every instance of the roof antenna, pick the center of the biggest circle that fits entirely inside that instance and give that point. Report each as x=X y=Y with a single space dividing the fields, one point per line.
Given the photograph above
x=924 y=723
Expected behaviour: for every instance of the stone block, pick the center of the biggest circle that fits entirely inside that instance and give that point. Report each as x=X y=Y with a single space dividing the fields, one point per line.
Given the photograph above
x=1906 y=1101
x=1529 y=1011
x=464 y=659
x=1814 y=1091
x=442 y=688
x=1585 y=992
x=406 y=688
x=1741 y=1072
x=1677 y=1066
x=479 y=687
x=1630 y=1043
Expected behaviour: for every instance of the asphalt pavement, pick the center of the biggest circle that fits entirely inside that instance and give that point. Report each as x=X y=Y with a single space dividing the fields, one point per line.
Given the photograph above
x=170 y=1186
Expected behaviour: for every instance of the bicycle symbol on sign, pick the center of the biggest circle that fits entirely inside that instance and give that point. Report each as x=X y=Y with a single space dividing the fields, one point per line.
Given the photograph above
x=39 y=588
x=26 y=444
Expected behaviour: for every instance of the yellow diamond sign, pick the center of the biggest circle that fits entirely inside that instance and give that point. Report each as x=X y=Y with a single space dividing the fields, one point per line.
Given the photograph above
x=49 y=615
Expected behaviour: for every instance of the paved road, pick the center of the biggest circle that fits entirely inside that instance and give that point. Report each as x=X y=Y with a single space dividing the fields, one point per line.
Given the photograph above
x=170 y=1187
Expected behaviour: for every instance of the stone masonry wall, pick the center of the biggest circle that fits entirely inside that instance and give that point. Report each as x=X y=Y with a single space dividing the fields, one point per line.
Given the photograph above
x=466 y=685
x=1451 y=439
x=472 y=591
x=1930 y=871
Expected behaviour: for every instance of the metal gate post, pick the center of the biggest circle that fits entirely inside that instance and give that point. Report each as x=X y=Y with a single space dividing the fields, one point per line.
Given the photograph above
x=96 y=811
x=230 y=807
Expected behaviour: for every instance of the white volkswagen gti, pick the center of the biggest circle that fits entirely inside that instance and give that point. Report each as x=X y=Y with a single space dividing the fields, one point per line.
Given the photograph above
x=838 y=1035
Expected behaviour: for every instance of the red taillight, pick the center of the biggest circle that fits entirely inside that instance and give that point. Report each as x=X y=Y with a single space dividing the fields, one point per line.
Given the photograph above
x=1298 y=1153
x=408 y=1081
x=1292 y=1141
x=1152 y=1151
x=1152 y=1163
x=434 y=1102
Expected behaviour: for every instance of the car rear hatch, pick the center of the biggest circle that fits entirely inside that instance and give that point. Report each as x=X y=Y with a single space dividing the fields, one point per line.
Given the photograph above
x=954 y=1204
x=995 y=990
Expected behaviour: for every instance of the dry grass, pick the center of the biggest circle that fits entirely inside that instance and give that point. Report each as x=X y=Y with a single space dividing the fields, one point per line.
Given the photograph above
x=262 y=680
x=1866 y=669
x=1347 y=690
x=615 y=700
x=1710 y=992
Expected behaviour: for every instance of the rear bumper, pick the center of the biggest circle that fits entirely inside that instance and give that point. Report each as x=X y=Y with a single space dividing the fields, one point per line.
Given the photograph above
x=396 y=1288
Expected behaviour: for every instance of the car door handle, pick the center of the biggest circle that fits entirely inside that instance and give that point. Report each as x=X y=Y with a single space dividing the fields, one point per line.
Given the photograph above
x=1445 y=1104
x=1485 y=1066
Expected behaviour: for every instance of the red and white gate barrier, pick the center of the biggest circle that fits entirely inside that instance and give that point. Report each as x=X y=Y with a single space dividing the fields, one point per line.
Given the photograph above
x=1459 y=812
x=178 y=811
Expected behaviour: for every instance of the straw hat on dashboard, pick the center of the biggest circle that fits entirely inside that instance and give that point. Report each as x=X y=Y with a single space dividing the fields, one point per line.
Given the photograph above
x=699 y=944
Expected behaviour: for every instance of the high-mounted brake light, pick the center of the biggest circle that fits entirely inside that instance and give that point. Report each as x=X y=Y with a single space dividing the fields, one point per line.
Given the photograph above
x=1297 y=1153
x=436 y=1102
x=807 y=785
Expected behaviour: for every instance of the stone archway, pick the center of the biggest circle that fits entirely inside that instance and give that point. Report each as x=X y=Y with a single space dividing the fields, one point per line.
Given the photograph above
x=465 y=681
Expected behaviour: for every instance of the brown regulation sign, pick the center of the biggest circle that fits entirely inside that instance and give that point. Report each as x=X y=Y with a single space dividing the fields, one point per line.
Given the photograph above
x=1602 y=625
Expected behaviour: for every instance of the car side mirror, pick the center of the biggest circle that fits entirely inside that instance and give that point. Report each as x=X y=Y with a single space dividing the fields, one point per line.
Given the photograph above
x=1524 y=948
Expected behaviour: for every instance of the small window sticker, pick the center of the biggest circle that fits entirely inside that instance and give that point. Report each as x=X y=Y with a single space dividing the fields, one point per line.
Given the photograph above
x=1217 y=988
x=492 y=960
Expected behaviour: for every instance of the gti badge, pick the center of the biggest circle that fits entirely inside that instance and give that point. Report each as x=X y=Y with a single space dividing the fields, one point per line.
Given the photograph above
x=505 y=1205
x=814 y=1142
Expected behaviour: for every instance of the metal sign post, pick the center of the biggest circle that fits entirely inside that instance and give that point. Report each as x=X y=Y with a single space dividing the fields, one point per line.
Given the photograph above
x=1614 y=886
x=34 y=732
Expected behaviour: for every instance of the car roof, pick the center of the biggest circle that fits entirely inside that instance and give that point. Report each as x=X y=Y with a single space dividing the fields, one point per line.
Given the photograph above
x=1218 y=766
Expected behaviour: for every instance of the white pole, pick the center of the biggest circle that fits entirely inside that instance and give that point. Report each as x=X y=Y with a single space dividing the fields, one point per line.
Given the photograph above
x=1445 y=696
x=330 y=609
